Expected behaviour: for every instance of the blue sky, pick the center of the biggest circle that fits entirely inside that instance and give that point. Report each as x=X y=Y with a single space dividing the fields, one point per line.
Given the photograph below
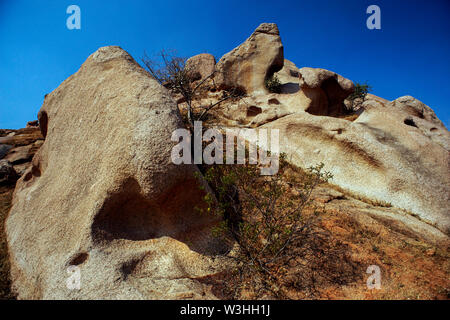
x=408 y=56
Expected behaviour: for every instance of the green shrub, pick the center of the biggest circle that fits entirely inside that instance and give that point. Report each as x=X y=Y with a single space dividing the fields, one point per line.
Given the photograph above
x=264 y=214
x=358 y=96
x=273 y=84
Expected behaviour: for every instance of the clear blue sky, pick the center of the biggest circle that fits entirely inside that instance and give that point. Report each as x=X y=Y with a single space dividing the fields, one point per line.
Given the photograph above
x=408 y=56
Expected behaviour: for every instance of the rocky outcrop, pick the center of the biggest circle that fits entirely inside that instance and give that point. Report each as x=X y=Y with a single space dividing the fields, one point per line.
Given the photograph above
x=418 y=115
x=386 y=154
x=201 y=66
x=393 y=152
x=4 y=148
x=8 y=175
x=102 y=196
x=19 y=146
x=247 y=66
x=327 y=90
x=33 y=124
x=316 y=91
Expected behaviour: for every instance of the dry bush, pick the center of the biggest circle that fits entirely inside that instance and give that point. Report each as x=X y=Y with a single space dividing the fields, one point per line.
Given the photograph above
x=170 y=71
x=282 y=249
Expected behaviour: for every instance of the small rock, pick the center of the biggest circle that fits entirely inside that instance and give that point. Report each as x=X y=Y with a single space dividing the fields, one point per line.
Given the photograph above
x=32 y=124
x=4 y=148
x=7 y=173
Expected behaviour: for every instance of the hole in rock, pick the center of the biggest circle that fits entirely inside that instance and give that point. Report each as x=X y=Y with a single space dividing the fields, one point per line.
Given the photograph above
x=43 y=122
x=328 y=100
x=28 y=176
x=433 y=129
x=410 y=122
x=335 y=97
x=273 y=101
x=253 y=111
x=79 y=259
x=35 y=171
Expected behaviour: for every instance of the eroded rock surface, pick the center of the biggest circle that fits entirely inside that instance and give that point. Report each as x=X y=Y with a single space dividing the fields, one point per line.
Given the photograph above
x=327 y=90
x=394 y=152
x=103 y=195
x=248 y=66
x=201 y=65
x=381 y=155
x=19 y=146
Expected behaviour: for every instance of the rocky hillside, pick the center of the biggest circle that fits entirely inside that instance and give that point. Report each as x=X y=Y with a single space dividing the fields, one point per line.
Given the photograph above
x=98 y=191
x=17 y=148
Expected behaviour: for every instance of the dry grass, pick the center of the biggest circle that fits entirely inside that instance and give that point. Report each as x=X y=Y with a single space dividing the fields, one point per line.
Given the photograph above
x=332 y=257
x=411 y=267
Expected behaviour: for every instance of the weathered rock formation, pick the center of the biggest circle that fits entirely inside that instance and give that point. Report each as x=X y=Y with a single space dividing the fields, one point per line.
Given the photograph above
x=394 y=152
x=19 y=146
x=249 y=65
x=103 y=195
x=201 y=65
x=7 y=173
x=377 y=156
x=326 y=90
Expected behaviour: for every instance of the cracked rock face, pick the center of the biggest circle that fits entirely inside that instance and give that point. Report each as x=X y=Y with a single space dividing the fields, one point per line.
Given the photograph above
x=103 y=197
x=247 y=66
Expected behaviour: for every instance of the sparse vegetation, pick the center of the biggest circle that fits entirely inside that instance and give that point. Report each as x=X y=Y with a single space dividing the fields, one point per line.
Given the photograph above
x=328 y=259
x=171 y=71
x=358 y=96
x=273 y=84
x=267 y=217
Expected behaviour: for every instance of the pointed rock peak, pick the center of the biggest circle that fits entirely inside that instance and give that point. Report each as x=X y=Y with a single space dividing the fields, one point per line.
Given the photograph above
x=249 y=65
x=268 y=28
x=104 y=54
x=418 y=109
x=410 y=100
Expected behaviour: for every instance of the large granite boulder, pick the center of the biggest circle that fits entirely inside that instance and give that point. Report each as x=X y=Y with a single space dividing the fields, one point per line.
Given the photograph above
x=249 y=65
x=102 y=198
x=396 y=153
